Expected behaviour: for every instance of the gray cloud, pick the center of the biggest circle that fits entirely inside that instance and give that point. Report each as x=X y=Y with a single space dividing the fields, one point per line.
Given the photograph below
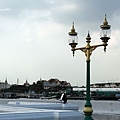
x=33 y=39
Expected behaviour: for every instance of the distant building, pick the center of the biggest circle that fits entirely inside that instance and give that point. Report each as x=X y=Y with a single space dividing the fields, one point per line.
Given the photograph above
x=4 y=85
x=47 y=85
x=26 y=83
x=106 y=85
x=51 y=83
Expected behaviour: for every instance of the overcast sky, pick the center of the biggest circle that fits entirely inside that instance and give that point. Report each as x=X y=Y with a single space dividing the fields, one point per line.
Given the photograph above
x=34 y=40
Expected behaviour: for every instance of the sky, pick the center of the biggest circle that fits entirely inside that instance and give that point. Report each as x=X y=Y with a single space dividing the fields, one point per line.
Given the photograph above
x=34 y=40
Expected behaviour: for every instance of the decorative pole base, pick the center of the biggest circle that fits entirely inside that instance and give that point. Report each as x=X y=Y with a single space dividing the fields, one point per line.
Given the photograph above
x=88 y=112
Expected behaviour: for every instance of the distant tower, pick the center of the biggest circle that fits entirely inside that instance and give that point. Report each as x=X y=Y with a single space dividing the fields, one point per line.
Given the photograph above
x=6 y=81
x=26 y=83
x=40 y=79
x=17 y=81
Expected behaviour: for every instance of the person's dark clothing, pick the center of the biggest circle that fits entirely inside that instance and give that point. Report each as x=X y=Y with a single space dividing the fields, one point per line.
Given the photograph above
x=64 y=98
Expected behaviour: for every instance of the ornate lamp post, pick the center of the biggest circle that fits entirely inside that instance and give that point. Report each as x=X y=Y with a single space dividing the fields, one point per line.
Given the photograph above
x=88 y=49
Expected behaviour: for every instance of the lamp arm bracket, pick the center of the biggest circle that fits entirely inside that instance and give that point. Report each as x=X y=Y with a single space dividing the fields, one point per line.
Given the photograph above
x=88 y=51
x=95 y=46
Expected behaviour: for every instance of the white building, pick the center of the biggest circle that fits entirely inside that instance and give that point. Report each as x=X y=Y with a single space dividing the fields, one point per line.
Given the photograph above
x=4 y=85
